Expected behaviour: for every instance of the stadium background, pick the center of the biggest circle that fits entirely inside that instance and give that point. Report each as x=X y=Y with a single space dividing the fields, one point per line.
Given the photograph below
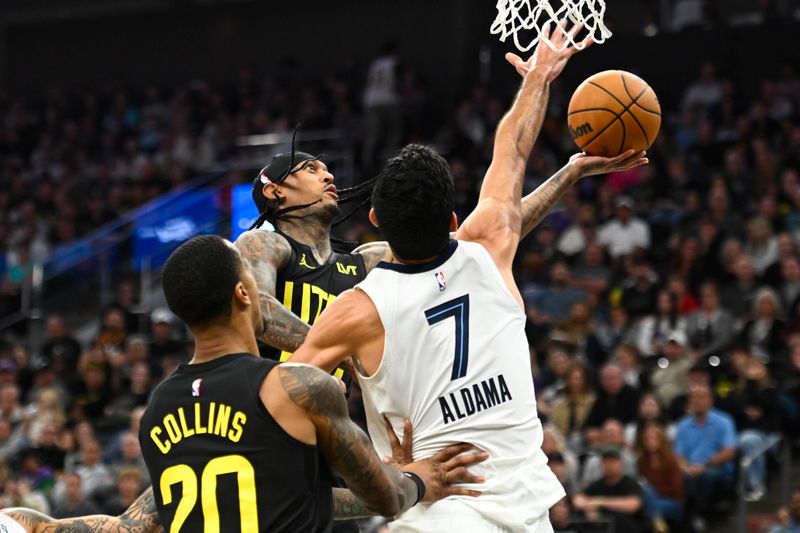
x=125 y=127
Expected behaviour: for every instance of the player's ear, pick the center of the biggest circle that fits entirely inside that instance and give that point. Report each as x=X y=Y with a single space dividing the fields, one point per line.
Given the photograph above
x=372 y=217
x=453 y=221
x=273 y=193
x=241 y=295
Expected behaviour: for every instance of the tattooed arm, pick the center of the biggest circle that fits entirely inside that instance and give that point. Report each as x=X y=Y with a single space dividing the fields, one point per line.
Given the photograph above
x=346 y=506
x=140 y=517
x=378 y=489
x=537 y=204
x=266 y=252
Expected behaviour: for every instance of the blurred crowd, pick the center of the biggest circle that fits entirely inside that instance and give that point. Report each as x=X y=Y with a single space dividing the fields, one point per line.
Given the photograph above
x=662 y=301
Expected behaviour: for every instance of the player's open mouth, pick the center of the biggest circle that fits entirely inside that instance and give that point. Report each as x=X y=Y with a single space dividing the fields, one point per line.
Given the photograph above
x=331 y=189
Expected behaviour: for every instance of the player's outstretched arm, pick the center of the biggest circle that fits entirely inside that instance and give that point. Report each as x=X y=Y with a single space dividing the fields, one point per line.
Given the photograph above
x=537 y=204
x=140 y=517
x=265 y=252
x=496 y=221
x=381 y=489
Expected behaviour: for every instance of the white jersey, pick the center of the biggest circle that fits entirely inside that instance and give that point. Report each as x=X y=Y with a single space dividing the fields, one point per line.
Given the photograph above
x=456 y=362
x=9 y=525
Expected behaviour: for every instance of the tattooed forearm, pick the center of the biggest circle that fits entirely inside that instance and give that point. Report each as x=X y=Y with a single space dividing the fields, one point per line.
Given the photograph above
x=282 y=328
x=265 y=252
x=28 y=518
x=381 y=488
x=538 y=203
x=346 y=506
x=140 y=517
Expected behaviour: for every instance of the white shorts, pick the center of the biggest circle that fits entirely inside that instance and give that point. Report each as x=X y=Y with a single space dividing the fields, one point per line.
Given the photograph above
x=9 y=525
x=456 y=518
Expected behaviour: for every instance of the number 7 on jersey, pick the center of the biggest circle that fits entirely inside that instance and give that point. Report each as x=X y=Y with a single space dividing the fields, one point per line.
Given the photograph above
x=458 y=308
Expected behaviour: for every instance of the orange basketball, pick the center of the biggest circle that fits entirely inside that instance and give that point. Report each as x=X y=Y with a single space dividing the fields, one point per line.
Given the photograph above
x=614 y=111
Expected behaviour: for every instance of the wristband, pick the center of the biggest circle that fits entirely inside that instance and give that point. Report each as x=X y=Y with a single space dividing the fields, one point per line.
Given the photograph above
x=419 y=483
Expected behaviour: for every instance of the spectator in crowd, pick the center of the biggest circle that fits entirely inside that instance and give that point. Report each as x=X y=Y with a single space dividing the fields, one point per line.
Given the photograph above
x=789 y=518
x=10 y=407
x=11 y=440
x=762 y=244
x=551 y=304
x=705 y=445
x=61 y=349
x=131 y=457
x=555 y=375
x=757 y=414
x=626 y=356
x=612 y=435
x=625 y=233
x=616 y=331
x=129 y=486
x=650 y=412
x=615 y=496
x=653 y=330
x=706 y=91
x=669 y=379
x=764 y=334
x=553 y=445
x=578 y=332
x=592 y=274
x=19 y=493
x=790 y=288
x=790 y=390
x=113 y=330
x=578 y=235
x=615 y=399
x=163 y=341
x=46 y=446
x=738 y=298
x=95 y=477
x=639 y=290
x=710 y=328
x=383 y=113
x=663 y=488
x=573 y=403
x=74 y=501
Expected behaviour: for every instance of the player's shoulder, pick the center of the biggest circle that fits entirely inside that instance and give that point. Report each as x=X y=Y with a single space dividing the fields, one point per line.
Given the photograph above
x=373 y=253
x=262 y=243
x=353 y=305
x=312 y=389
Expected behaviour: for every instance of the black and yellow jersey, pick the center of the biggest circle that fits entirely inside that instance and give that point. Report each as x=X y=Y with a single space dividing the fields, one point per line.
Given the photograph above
x=220 y=463
x=306 y=287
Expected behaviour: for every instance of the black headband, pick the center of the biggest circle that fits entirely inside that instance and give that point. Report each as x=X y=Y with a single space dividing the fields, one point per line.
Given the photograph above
x=276 y=171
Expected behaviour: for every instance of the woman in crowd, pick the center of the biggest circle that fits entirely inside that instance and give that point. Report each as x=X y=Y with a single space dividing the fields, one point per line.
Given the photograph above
x=654 y=330
x=663 y=479
x=573 y=403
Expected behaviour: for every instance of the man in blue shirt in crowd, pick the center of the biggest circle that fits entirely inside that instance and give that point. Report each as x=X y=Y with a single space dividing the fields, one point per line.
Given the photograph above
x=705 y=446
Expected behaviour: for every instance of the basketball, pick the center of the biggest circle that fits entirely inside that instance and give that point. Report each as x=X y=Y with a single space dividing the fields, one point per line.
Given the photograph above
x=614 y=111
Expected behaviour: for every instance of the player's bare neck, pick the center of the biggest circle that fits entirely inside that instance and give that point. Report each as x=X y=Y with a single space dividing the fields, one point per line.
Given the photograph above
x=310 y=231
x=215 y=341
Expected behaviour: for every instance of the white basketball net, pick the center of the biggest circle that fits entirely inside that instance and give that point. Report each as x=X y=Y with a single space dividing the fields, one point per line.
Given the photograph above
x=524 y=19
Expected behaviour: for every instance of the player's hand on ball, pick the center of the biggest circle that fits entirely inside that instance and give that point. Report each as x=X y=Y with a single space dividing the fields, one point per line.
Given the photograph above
x=446 y=468
x=590 y=165
x=552 y=60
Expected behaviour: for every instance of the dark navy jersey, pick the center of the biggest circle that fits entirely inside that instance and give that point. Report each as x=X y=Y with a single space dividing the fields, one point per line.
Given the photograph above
x=220 y=462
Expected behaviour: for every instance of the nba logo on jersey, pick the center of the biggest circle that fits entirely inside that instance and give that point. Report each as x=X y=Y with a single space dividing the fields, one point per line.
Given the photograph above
x=440 y=281
x=196 y=386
